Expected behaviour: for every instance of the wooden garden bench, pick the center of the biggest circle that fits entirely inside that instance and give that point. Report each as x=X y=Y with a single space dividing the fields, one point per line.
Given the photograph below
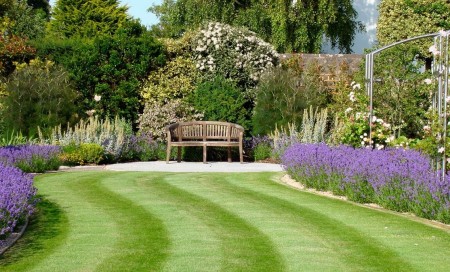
x=204 y=133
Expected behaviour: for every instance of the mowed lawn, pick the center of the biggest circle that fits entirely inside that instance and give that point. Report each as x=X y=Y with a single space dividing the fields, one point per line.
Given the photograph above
x=137 y=221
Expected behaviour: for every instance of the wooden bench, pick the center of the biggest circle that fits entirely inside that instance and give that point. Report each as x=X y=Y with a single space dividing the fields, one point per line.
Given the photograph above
x=204 y=133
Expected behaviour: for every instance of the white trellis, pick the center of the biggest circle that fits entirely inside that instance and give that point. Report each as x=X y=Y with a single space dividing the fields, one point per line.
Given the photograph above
x=439 y=70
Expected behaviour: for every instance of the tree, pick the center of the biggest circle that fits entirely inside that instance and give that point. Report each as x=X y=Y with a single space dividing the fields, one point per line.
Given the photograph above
x=20 y=19
x=289 y=25
x=111 y=68
x=87 y=19
x=399 y=20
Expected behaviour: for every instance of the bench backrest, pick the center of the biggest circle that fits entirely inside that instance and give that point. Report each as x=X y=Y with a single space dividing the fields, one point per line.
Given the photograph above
x=205 y=131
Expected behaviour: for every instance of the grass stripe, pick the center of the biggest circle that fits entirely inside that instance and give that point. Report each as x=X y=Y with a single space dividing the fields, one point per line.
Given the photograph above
x=104 y=235
x=404 y=238
x=243 y=247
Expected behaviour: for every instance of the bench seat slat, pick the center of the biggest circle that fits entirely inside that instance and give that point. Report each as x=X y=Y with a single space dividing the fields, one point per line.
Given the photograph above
x=205 y=133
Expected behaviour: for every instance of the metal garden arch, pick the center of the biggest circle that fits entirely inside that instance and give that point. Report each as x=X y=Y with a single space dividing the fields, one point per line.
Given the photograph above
x=440 y=71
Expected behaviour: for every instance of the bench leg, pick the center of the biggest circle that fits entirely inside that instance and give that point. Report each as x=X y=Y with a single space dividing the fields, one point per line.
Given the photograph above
x=241 y=155
x=229 y=154
x=179 y=154
x=204 y=154
x=168 y=153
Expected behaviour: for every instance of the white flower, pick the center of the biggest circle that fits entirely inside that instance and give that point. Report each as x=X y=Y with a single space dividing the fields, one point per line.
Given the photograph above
x=348 y=110
x=365 y=134
x=90 y=112
x=380 y=121
x=434 y=50
x=426 y=128
x=374 y=119
x=427 y=81
x=447 y=99
x=362 y=143
x=97 y=97
x=357 y=86
x=352 y=97
x=441 y=150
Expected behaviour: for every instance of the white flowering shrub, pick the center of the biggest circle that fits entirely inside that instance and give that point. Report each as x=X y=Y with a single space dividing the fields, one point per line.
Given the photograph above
x=157 y=115
x=235 y=53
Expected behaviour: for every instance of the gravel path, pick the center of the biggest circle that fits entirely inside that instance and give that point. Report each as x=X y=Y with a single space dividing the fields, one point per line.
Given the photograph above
x=161 y=166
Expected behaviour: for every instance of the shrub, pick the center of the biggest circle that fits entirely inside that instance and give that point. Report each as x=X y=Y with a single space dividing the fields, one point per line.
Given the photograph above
x=283 y=94
x=38 y=94
x=109 y=134
x=220 y=100
x=142 y=147
x=31 y=158
x=111 y=66
x=234 y=53
x=17 y=197
x=157 y=115
x=84 y=153
x=402 y=180
x=177 y=79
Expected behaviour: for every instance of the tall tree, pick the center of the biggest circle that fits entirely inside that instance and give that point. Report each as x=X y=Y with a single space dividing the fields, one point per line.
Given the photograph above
x=291 y=25
x=399 y=20
x=87 y=18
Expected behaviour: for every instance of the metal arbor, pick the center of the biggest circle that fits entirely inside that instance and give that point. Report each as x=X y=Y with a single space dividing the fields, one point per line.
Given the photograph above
x=440 y=71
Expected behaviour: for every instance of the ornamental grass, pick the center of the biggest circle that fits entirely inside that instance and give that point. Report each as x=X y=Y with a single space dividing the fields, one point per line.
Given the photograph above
x=397 y=179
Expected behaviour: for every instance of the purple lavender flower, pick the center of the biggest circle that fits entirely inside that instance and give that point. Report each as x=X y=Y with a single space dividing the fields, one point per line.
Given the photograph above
x=16 y=198
x=398 y=179
x=31 y=158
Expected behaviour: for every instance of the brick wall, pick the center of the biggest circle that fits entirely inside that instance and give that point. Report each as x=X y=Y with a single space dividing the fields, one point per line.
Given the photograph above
x=331 y=63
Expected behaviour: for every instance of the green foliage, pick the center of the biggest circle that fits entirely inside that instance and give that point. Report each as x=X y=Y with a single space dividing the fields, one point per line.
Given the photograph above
x=220 y=100
x=112 y=67
x=157 y=115
x=84 y=153
x=22 y=20
x=8 y=138
x=262 y=151
x=283 y=94
x=297 y=26
x=233 y=53
x=38 y=94
x=87 y=19
x=399 y=20
x=110 y=134
x=177 y=79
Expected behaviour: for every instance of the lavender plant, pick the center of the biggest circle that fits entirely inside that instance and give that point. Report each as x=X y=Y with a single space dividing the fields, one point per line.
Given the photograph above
x=31 y=158
x=17 y=195
x=398 y=179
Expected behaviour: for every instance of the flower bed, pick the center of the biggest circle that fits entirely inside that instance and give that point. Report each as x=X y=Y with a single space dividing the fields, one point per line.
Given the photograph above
x=31 y=158
x=17 y=195
x=397 y=179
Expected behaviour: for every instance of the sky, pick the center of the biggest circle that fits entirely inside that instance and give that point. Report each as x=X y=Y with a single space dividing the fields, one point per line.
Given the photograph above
x=137 y=9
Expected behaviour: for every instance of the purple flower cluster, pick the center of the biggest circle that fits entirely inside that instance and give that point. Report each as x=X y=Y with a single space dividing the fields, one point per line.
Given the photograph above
x=398 y=179
x=141 y=147
x=31 y=158
x=16 y=198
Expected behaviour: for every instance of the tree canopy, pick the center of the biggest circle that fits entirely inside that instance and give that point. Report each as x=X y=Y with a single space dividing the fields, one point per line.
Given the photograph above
x=399 y=20
x=87 y=19
x=291 y=26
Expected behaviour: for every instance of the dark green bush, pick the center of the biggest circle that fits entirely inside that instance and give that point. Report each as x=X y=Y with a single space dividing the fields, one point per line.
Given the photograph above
x=220 y=100
x=111 y=67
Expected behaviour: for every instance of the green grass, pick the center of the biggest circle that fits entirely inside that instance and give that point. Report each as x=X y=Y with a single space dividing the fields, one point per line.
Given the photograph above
x=123 y=221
